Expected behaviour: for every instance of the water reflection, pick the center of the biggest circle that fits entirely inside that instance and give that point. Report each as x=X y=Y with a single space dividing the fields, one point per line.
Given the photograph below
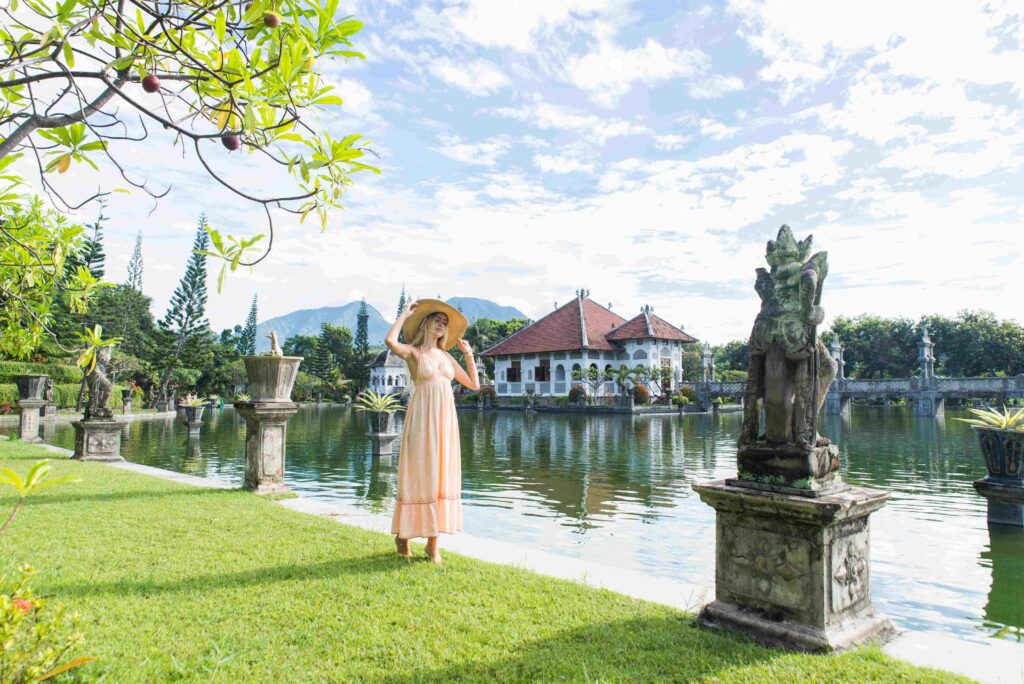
x=617 y=490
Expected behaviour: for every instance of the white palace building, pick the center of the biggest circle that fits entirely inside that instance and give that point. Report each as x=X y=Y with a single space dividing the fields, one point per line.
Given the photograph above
x=540 y=358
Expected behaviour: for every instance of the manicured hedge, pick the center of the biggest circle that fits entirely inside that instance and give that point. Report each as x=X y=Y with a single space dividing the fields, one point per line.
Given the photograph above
x=58 y=371
x=65 y=395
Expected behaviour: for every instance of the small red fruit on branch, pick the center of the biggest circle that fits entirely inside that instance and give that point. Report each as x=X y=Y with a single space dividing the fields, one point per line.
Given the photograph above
x=151 y=83
x=271 y=19
x=231 y=141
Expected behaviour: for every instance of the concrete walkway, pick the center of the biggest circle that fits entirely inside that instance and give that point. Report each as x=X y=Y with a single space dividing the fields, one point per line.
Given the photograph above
x=996 y=662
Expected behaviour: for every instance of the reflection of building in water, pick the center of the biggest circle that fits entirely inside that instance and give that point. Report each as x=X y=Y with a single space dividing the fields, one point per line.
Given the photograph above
x=580 y=466
x=1005 y=552
x=388 y=373
x=541 y=358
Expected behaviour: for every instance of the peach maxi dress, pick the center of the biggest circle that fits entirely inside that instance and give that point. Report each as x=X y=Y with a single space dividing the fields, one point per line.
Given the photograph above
x=430 y=460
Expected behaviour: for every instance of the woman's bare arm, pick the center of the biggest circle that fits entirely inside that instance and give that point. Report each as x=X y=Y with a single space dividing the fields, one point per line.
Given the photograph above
x=468 y=377
x=402 y=350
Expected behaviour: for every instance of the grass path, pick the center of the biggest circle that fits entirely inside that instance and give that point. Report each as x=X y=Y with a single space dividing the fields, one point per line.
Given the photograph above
x=177 y=583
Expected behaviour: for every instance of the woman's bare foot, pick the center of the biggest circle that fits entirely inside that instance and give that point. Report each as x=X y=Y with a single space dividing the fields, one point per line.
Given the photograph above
x=432 y=551
x=403 y=546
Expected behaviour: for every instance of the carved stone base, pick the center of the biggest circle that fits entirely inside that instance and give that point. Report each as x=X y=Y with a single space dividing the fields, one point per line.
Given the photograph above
x=97 y=440
x=789 y=466
x=794 y=571
x=383 y=442
x=265 y=437
x=1005 y=501
x=28 y=423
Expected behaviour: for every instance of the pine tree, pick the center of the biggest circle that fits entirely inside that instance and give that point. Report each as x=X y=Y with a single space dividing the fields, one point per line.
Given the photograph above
x=247 y=340
x=93 y=256
x=401 y=305
x=135 y=265
x=321 y=366
x=362 y=345
x=185 y=323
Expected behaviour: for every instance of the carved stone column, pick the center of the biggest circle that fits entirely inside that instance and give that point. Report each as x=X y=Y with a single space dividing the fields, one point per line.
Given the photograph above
x=126 y=401
x=266 y=430
x=383 y=442
x=97 y=439
x=794 y=571
x=28 y=425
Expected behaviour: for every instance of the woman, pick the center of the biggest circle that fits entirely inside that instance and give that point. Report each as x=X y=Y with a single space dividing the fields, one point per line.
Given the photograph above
x=430 y=460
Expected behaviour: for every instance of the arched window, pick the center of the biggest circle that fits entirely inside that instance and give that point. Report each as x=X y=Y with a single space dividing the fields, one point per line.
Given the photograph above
x=559 y=373
x=576 y=367
x=639 y=354
x=529 y=374
x=390 y=381
x=665 y=351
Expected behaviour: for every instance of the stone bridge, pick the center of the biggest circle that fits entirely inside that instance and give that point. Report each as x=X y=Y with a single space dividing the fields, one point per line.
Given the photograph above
x=927 y=392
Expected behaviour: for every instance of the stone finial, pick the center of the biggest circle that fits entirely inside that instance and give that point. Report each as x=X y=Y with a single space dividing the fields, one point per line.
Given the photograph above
x=275 y=350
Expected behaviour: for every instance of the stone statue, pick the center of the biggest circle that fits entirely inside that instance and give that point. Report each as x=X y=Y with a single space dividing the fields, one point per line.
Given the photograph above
x=275 y=350
x=48 y=395
x=99 y=388
x=790 y=368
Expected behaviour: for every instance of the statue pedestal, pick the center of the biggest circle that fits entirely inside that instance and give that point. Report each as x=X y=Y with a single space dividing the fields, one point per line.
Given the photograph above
x=1005 y=501
x=266 y=425
x=383 y=442
x=97 y=439
x=788 y=469
x=28 y=423
x=793 y=570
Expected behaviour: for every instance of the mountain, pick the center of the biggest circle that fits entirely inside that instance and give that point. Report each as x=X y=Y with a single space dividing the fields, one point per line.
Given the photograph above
x=307 y=322
x=474 y=308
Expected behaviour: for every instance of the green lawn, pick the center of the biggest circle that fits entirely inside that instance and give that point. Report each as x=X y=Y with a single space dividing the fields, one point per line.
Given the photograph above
x=177 y=583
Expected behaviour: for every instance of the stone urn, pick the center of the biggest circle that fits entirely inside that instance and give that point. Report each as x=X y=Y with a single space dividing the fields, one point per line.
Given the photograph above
x=1003 y=451
x=30 y=387
x=191 y=416
x=271 y=377
x=380 y=421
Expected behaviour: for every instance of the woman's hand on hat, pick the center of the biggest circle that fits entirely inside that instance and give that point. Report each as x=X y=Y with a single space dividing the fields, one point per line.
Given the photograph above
x=409 y=308
x=464 y=346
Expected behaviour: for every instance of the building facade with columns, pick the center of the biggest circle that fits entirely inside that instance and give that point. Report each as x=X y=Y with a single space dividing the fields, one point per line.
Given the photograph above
x=540 y=358
x=388 y=373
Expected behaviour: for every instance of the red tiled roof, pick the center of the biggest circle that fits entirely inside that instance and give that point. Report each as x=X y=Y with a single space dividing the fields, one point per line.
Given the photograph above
x=649 y=325
x=560 y=331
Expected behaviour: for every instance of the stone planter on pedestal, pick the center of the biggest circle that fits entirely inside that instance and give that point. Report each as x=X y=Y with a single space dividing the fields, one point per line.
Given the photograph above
x=191 y=417
x=266 y=420
x=126 y=401
x=30 y=400
x=1003 y=451
x=380 y=433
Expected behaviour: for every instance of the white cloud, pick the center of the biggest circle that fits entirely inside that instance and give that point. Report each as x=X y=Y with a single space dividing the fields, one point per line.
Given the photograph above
x=609 y=72
x=548 y=116
x=561 y=164
x=716 y=130
x=484 y=153
x=671 y=141
x=478 y=77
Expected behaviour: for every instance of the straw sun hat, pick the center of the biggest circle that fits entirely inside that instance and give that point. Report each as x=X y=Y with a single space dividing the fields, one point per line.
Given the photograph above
x=457 y=322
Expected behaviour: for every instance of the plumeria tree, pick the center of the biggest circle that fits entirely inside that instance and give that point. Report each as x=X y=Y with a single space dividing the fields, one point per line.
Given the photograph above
x=82 y=82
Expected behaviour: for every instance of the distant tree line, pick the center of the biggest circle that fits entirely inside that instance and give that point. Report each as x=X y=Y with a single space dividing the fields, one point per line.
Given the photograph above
x=970 y=344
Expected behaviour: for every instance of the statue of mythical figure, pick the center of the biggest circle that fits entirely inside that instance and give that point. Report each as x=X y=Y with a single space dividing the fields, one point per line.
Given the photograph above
x=99 y=387
x=790 y=368
x=48 y=393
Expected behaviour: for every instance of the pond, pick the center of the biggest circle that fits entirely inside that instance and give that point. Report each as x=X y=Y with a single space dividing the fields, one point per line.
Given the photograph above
x=617 y=490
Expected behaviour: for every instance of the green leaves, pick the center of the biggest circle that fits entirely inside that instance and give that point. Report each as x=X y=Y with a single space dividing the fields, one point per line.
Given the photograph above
x=35 y=481
x=368 y=400
x=72 y=141
x=231 y=251
x=994 y=418
x=93 y=340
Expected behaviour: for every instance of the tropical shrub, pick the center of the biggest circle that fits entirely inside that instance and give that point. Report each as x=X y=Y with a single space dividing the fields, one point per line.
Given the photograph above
x=577 y=393
x=679 y=400
x=372 y=402
x=641 y=395
x=688 y=392
x=994 y=418
x=487 y=392
x=471 y=398
x=57 y=372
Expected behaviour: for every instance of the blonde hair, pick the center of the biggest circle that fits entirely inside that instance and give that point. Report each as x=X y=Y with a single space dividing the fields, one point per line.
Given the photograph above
x=442 y=342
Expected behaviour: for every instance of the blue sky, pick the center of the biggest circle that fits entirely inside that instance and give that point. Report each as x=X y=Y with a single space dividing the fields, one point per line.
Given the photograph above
x=646 y=151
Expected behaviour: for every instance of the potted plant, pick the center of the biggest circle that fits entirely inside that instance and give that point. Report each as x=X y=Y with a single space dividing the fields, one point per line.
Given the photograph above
x=190 y=410
x=380 y=407
x=1001 y=438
